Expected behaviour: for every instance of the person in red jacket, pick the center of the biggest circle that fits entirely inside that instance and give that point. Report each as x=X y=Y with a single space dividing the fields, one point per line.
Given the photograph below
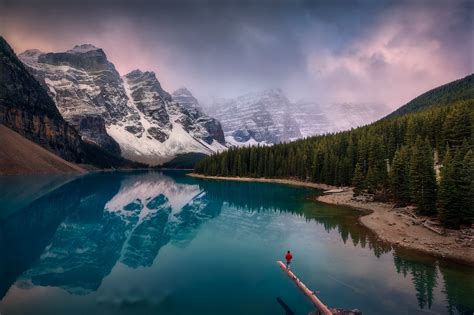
x=288 y=258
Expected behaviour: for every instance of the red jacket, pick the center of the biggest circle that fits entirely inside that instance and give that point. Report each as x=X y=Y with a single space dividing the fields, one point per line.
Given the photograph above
x=288 y=257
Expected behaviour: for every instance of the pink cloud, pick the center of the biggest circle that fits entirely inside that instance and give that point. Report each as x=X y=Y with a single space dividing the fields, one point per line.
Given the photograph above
x=394 y=63
x=120 y=39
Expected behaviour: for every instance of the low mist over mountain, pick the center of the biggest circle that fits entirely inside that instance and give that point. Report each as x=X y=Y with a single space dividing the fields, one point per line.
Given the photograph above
x=256 y=117
x=269 y=117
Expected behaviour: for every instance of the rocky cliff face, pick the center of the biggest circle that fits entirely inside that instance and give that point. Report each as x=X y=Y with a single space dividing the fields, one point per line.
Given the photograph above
x=165 y=128
x=195 y=121
x=150 y=100
x=26 y=108
x=130 y=115
x=86 y=88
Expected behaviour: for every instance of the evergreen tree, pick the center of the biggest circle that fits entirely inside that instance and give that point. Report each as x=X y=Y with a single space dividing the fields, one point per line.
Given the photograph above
x=448 y=196
x=456 y=195
x=271 y=165
x=358 y=180
x=457 y=126
x=377 y=165
x=223 y=165
x=371 y=180
x=399 y=176
x=422 y=178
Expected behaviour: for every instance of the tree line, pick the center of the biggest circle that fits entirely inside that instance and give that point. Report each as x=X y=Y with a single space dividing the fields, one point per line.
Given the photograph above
x=425 y=159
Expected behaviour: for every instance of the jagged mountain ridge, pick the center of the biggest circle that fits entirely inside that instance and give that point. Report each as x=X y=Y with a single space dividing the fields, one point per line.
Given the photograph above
x=207 y=128
x=130 y=115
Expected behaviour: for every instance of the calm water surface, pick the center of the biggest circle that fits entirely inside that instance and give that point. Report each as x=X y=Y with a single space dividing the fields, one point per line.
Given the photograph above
x=164 y=243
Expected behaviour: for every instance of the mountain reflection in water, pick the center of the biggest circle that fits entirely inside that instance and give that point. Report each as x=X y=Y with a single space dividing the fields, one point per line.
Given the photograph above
x=73 y=236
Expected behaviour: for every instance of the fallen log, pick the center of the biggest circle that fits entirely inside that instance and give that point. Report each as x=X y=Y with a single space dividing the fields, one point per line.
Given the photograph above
x=426 y=225
x=323 y=309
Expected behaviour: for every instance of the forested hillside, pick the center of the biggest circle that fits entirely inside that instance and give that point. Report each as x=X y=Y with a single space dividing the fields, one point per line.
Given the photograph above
x=394 y=158
x=445 y=95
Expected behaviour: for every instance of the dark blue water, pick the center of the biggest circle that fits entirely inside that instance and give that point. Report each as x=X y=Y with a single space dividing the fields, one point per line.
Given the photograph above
x=164 y=243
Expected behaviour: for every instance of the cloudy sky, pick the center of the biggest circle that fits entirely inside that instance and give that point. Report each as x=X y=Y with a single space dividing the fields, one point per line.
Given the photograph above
x=374 y=51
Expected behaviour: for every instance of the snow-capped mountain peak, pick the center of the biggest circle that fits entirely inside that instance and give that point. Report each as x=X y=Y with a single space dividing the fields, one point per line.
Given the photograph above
x=130 y=115
x=147 y=80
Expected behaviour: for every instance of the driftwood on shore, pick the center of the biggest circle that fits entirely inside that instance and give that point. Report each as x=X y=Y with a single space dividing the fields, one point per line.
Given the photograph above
x=422 y=222
x=426 y=225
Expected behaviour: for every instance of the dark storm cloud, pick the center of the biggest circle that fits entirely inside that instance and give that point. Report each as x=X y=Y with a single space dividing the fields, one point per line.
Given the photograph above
x=360 y=51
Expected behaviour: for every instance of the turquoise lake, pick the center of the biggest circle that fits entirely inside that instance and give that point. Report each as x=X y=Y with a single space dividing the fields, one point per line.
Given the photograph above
x=163 y=243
